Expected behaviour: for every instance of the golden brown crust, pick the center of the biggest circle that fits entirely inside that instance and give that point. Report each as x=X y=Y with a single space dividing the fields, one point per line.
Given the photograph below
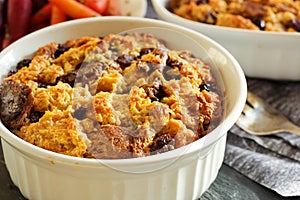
x=118 y=97
x=267 y=15
x=56 y=131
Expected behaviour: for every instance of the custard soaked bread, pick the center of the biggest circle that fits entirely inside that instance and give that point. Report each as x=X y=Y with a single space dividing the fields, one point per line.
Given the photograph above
x=120 y=96
x=266 y=15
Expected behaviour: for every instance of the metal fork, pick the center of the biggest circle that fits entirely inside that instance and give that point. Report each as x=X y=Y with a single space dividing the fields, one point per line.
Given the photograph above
x=259 y=118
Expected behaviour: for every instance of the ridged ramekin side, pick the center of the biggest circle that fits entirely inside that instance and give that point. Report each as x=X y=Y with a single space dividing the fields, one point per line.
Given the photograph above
x=185 y=179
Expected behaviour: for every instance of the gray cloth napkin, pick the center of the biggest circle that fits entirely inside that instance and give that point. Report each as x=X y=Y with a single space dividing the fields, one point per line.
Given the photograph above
x=273 y=161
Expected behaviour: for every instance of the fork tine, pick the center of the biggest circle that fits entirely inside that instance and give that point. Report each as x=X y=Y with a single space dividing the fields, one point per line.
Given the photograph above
x=246 y=109
x=252 y=99
x=256 y=101
x=260 y=118
x=241 y=122
x=259 y=104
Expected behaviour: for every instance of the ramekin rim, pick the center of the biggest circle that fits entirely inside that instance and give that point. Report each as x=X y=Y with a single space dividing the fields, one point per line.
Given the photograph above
x=161 y=9
x=228 y=122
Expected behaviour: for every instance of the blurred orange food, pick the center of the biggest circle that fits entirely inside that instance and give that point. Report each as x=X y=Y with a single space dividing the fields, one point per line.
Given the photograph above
x=20 y=17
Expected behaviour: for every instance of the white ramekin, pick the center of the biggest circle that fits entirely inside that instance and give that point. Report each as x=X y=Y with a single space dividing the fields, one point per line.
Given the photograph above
x=183 y=173
x=261 y=54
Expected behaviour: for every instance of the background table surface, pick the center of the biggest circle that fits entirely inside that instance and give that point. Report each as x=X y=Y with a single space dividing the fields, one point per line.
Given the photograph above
x=229 y=185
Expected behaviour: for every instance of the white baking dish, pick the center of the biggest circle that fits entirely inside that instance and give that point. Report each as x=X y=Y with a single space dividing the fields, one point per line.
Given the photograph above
x=183 y=173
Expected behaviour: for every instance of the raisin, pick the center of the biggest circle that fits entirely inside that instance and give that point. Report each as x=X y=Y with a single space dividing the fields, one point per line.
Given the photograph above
x=173 y=63
x=80 y=113
x=206 y=126
x=35 y=116
x=155 y=91
x=16 y=101
x=61 y=49
x=145 y=51
x=260 y=23
x=211 y=17
x=295 y=24
x=203 y=86
x=69 y=78
x=161 y=141
x=208 y=87
x=199 y=2
x=21 y=64
x=125 y=61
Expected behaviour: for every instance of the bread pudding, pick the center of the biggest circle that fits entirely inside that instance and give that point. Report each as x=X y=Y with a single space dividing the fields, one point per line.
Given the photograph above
x=111 y=97
x=266 y=15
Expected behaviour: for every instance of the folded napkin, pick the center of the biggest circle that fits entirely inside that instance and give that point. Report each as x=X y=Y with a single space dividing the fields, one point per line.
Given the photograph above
x=274 y=160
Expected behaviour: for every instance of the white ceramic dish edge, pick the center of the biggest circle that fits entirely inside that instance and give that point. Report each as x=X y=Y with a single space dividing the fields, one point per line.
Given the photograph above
x=270 y=55
x=38 y=179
